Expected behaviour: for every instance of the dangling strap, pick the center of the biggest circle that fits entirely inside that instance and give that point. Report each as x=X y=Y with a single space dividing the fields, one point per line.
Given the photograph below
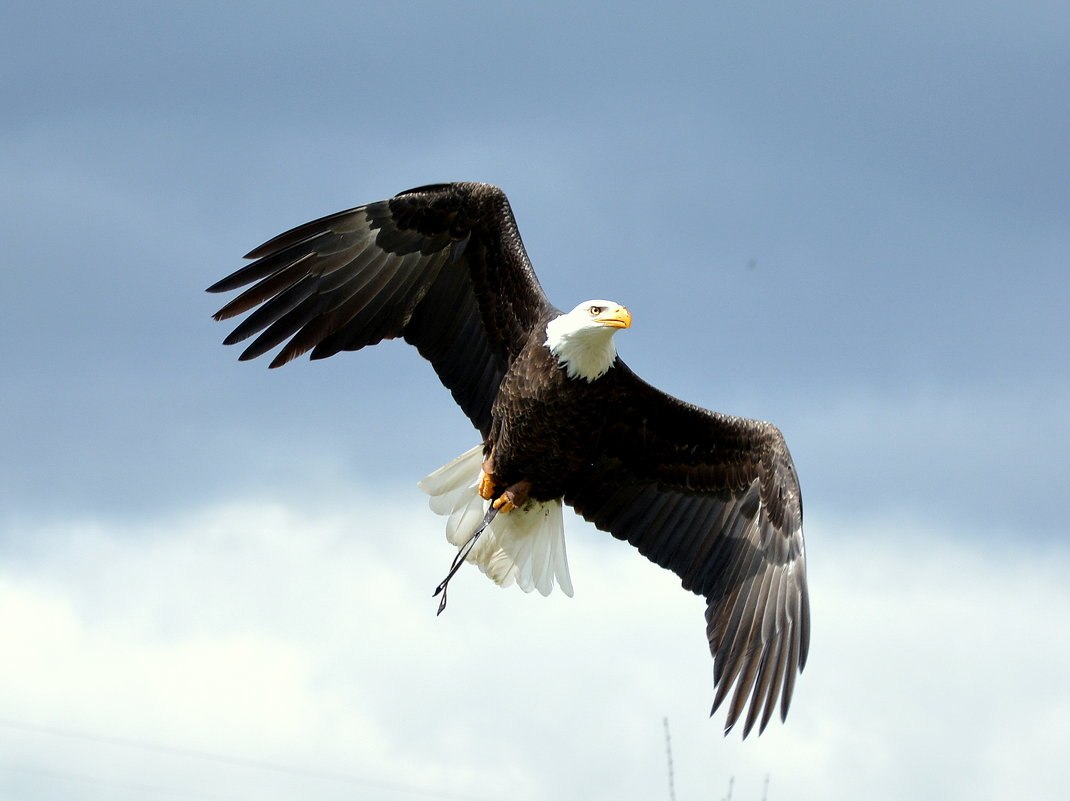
x=462 y=554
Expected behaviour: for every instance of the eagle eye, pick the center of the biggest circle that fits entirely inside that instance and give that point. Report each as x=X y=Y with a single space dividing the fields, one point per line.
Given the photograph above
x=596 y=310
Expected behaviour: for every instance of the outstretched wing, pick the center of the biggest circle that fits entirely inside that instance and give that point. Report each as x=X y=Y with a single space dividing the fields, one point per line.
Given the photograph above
x=442 y=266
x=715 y=499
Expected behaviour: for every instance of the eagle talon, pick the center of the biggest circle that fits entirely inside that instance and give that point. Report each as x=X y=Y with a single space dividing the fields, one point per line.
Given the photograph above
x=503 y=504
x=486 y=486
x=513 y=498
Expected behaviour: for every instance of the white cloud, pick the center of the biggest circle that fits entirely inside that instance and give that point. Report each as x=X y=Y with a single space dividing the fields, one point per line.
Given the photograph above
x=307 y=640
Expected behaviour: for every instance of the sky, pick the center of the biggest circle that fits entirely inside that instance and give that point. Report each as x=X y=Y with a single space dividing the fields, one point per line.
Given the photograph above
x=849 y=219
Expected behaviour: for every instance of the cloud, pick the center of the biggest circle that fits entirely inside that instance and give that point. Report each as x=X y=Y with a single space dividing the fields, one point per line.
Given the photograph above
x=940 y=670
x=258 y=650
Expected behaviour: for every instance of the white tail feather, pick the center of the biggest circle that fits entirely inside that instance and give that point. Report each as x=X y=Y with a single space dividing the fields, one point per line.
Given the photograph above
x=455 y=474
x=526 y=546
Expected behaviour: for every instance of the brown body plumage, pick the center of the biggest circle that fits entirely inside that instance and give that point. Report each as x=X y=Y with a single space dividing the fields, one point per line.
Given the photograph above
x=545 y=426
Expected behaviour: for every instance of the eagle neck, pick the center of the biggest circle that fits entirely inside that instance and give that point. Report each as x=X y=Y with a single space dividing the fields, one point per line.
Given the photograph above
x=586 y=353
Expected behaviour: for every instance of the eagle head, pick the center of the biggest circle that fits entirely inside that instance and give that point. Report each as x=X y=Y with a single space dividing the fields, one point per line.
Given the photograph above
x=582 y=340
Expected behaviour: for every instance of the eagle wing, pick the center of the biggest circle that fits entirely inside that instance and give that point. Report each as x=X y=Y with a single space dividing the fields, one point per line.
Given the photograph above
x=714 y=499
x=442 y=266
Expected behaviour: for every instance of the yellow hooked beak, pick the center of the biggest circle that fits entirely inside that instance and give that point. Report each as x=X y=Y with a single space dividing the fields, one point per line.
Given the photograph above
x=615 y=317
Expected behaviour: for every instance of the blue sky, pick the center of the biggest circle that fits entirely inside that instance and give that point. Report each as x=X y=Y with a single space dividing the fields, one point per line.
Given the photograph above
x=849 y=220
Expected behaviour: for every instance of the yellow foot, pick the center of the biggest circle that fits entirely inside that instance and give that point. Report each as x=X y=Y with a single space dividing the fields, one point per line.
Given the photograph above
x=486 y=486
x=504 y=505
x=514 y=497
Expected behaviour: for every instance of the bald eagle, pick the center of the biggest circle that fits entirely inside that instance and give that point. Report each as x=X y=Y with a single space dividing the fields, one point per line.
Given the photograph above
x=711 y=497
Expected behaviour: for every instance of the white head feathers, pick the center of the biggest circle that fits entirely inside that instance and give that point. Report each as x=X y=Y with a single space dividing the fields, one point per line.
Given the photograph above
x=582 y=340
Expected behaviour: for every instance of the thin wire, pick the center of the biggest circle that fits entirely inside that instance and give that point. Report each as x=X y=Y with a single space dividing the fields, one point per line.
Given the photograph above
x=142 y=789
x=226 y=759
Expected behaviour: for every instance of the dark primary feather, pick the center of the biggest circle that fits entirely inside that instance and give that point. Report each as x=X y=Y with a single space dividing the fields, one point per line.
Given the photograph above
x=715 y=499
x=442 y=266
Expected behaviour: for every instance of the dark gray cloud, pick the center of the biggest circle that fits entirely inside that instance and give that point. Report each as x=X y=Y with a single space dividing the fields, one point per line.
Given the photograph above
x=809 y=208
